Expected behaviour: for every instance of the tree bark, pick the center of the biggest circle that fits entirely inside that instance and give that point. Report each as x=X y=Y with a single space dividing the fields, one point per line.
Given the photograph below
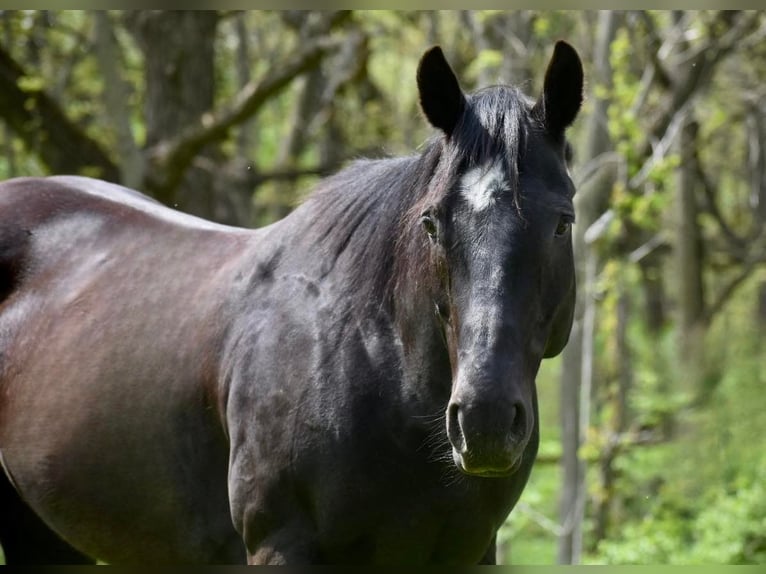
x=688 y=249
x=590 y=203
x=179 y=61
x=617 y=424
x=757 y=161
x=116 y=95
x=9 y=152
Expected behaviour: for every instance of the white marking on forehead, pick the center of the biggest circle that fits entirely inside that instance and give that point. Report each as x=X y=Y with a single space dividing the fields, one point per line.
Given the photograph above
x=479 y=185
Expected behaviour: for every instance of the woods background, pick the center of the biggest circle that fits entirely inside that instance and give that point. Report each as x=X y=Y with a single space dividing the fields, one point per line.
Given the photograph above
x=654 y=418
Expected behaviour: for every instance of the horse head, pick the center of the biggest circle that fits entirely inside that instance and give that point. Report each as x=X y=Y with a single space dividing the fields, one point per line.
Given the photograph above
x=496 y=226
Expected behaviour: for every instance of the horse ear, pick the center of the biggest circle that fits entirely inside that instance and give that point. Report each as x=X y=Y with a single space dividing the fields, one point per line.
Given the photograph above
x=562 y=90
x=441 y=98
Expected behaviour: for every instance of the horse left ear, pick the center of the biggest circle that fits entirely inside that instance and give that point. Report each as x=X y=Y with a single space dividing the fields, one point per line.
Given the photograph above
x=562 y=90
x=441 y=98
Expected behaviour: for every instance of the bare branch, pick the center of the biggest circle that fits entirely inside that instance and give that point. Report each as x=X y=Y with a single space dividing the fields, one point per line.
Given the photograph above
x=661 y=148
x=292 y=174
x=170 y=158
x=583 y=175
x=540 y=519
x=694 y=73
x=237 y=170
x=313 y=23
x=725 y=294
x=740 y=24
x=656 y=241
x=711 y=207
x=655 y=42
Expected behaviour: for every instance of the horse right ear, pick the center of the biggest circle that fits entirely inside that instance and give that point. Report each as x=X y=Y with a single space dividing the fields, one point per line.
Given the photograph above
x=562 y=90
x=441 y=98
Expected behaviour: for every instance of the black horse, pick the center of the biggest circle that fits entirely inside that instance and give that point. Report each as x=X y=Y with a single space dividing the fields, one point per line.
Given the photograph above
x=354 y=383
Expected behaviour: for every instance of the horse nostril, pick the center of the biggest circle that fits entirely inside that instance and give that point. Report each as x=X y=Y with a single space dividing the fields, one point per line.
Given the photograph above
x=518 y=421
x=454 y=432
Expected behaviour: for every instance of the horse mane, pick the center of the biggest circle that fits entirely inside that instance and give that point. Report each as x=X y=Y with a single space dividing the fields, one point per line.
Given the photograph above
x=357 y=214
x=366 y=216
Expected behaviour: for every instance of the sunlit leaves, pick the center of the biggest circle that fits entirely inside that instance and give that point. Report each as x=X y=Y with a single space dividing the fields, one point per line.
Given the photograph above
x=31 y=83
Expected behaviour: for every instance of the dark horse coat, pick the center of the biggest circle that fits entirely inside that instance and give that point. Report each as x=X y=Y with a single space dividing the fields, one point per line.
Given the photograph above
x=354 y=383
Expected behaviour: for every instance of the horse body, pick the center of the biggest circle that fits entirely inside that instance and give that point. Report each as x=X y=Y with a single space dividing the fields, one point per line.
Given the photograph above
x=88 y=364
x=354 y=383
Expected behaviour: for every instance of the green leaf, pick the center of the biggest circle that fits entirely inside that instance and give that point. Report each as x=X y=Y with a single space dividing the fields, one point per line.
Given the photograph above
x=31 y=84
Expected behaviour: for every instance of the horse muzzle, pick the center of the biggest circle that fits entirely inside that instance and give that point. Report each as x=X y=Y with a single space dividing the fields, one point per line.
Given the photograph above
x=488 y=438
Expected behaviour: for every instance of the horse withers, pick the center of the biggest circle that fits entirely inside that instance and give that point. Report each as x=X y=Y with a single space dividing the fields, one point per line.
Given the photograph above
x=354 y=383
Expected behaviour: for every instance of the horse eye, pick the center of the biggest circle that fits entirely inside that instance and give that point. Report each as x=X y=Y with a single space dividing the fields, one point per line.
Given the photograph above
x=442 y=311
x=563 y=227
x=428 y=223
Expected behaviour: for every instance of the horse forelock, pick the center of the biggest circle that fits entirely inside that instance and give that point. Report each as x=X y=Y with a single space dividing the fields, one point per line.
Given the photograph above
x=492 y=132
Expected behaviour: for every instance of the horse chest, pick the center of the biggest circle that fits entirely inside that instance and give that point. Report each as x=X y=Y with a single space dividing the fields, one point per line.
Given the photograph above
x=383 y=510
x=425 y=525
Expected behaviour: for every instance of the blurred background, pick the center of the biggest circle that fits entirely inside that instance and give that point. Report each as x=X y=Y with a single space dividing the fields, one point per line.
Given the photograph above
x=654 y=418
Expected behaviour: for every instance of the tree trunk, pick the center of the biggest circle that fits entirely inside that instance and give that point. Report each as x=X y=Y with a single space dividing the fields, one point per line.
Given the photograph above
x=591 y=201
x=303 y=114
x=244 y=56
x=688 y=262
x=757 y=161
x=618 y=422
x=179 y=60
x=9 y=153
x=518 y=65
x=234 y=188
x=116 y=96
x=653 y=288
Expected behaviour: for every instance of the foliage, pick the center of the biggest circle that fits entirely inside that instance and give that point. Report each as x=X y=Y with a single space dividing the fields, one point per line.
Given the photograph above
x=709 y=503
x=699 y=498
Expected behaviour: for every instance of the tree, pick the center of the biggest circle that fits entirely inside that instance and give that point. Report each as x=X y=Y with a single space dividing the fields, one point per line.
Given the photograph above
x=680 y=73
x=591 y=202
x=184 y=126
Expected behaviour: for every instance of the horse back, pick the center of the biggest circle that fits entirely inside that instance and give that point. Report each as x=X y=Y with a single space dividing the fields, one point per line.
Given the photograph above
x=45 y=219
x=85 y=262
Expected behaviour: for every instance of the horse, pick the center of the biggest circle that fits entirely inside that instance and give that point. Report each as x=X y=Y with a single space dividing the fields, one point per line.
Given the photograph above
x=354 y=383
